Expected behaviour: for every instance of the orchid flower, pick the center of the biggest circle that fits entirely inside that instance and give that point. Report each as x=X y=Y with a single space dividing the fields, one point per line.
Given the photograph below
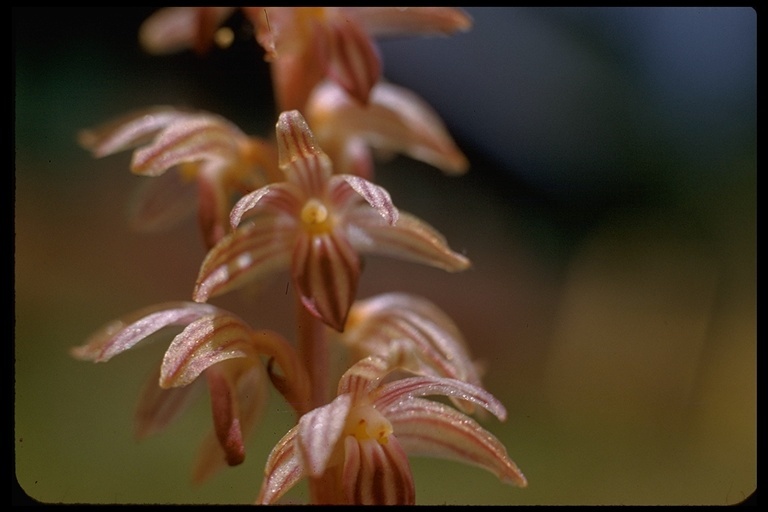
x=218 y=345
x=201 y=147
x=355 y=449
x=308 y=44
x=317 y=223
x=395 y=120
x=305 y=44
x=413 y=331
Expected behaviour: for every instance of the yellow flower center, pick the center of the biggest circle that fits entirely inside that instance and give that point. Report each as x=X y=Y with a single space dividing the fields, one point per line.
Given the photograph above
x=316 y=217
x=365 y=422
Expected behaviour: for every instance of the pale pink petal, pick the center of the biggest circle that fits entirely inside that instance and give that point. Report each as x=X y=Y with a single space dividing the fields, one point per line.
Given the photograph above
x=158 y=407
x=413 y=329
x=130 y=130
x=326 y=270
x=409 y=239
x=253 y=251
x=319 y=431
x=173 y=29
x=429 y=428
x=304 y=163
x=376 y=473
x=283 y=469
x=376 y=196
x=361 y=378
x=196 y=138
x=278 y=197
x=396 y=120
x=122 y=334
x=216 y=338
x=395 y=392
x=405 y=21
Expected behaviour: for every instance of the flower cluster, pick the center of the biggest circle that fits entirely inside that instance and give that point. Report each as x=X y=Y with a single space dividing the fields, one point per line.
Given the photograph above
x=306 y=202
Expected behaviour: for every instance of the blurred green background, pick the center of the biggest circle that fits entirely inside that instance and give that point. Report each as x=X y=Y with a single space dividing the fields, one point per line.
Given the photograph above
x=610 y=215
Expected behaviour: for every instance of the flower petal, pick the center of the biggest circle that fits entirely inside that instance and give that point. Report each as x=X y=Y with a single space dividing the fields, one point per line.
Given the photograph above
x=355 y=63
x=238 y=394
x=377 y=474
x=318 y=432
x=376 y=196
x=429 y=340
x=195 y=138
x=409 y=239
x=395 y=120
x=254 y=250
x=122 y=334
x=130 y=130
x=283 y=469
x=430 y=428
x=397 y=391
x=397 y=21
x=302 y=160
x=280 y=197
x=216 y=338
x=326 y=270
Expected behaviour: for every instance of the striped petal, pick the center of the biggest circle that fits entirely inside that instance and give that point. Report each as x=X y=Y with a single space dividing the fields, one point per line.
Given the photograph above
x=395 y=120
x=283 y=469
x=355 y=63
x=196 y=138
x=254 y=250
x=122 y=334
x=409 y=239
x=130 y=130
x=326 y=270
x=279 y=197
x=302 y=160
x=429 y=341
x=374 y=195
x=319 y=431
x=237 y=398
x=216 y=338
x=376 y=473
x=429 y=428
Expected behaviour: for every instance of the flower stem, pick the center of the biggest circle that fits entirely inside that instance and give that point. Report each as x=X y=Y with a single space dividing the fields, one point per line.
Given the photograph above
x=313 y=350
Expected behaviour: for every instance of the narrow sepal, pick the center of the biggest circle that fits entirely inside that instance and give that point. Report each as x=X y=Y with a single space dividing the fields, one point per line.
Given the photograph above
x=122 y=334
x=433 y=429
x=409 y=239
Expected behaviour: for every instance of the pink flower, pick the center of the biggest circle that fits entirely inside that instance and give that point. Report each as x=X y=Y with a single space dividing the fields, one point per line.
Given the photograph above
x=355 y=449
x=305 y=44
x=308 y=44
x=414 y=332
x=395 y=120
x=201 y=147
x=218 y=345
x=317 y=223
